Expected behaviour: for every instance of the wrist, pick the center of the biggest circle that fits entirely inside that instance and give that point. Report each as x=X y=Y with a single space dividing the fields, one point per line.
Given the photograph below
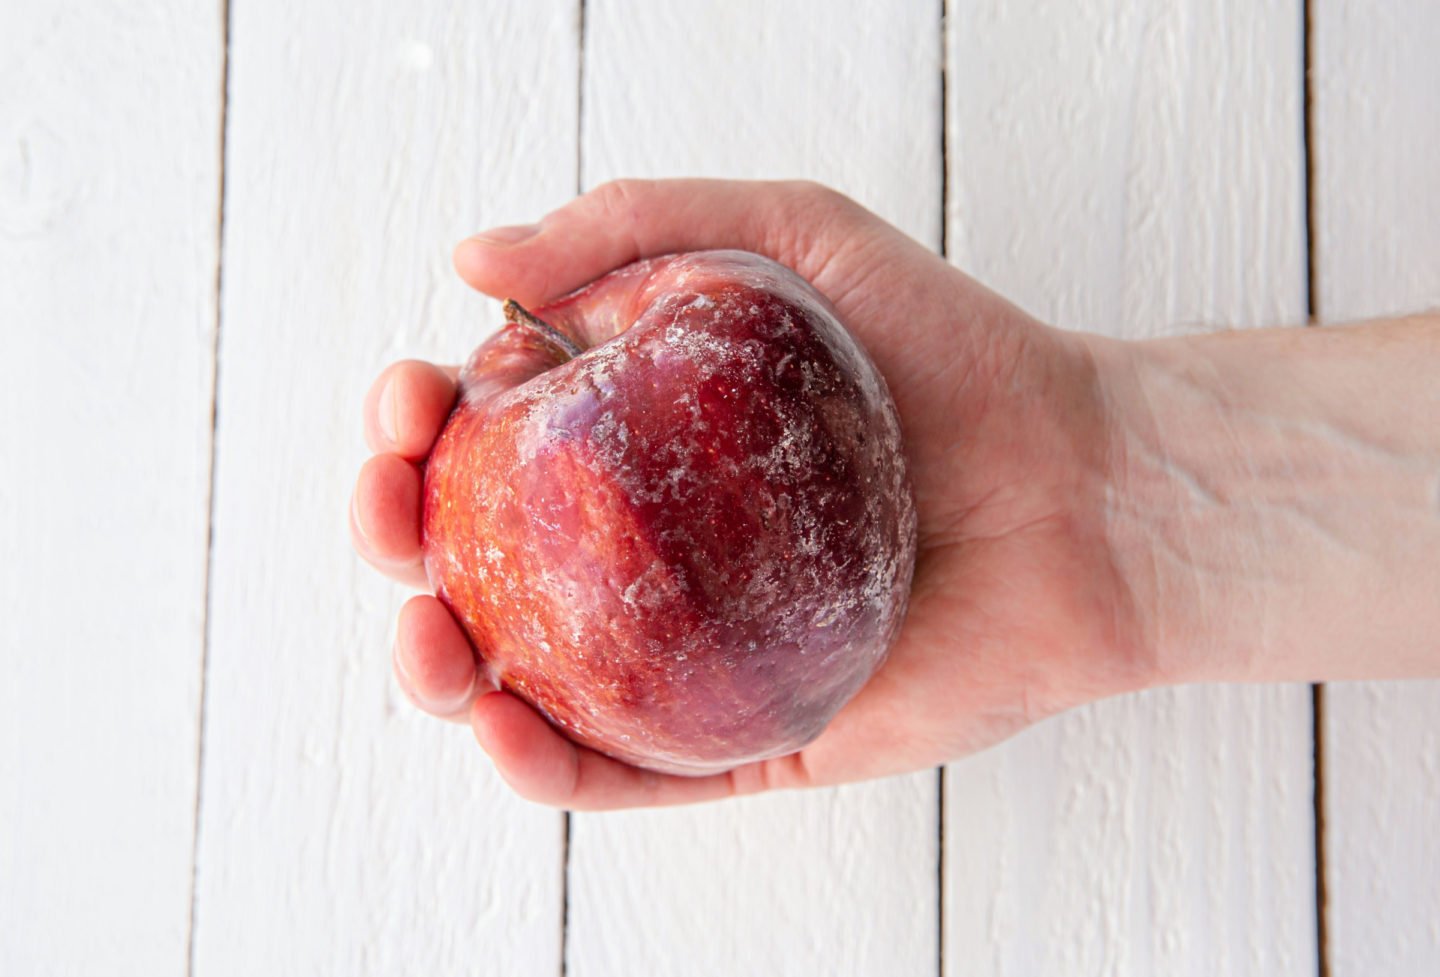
x=1167 y=525
x=1080 y=430
x=1270 y=502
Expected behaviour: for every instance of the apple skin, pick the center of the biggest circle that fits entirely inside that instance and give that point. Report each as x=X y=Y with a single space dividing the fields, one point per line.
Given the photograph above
x=671 y=511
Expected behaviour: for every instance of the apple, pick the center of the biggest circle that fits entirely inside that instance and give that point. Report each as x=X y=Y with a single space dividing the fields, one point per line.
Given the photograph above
x=671 y=512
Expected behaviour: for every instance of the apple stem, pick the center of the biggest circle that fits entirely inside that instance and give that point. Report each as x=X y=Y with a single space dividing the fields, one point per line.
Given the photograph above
x=516 y=314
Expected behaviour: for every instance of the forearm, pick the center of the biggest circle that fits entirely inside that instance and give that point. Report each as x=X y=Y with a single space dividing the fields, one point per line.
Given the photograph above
x=1274 y=500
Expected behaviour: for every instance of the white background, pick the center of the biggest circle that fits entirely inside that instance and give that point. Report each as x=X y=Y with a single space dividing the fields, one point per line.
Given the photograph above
x=217 y=223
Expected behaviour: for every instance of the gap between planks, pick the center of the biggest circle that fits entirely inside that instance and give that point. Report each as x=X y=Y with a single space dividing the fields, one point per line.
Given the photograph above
x=219 y=292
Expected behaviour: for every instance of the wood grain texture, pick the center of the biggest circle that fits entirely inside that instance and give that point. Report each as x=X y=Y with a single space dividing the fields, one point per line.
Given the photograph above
x=829 y=882
x=109 y=183
x=1130 y=168
x=341 y=831
x=1376 y=140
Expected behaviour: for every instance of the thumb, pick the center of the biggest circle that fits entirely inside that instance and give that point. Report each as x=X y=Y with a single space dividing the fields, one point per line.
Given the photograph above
x=796 y=223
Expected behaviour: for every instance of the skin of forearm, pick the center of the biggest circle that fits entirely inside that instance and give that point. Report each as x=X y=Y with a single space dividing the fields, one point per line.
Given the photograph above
x=1273 y=500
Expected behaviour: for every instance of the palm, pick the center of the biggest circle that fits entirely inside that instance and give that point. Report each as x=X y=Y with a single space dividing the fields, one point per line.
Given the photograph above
x=1009 y=592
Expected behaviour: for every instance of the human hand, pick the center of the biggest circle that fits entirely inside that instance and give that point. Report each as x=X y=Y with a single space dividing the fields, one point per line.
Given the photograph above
x=1015 y=613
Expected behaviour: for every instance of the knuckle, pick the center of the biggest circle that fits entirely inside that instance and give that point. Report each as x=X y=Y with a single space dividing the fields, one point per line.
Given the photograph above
x=618 y=198
x=816 y=196
x=812 y=220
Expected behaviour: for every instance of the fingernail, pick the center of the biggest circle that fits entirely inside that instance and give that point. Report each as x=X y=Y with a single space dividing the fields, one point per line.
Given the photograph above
x=447 y=707
x=355 y=518
x=437 y=707
x=385 y=411
x=504 y=237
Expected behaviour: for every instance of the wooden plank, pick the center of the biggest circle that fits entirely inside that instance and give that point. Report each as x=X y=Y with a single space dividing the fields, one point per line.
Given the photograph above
x=1125 y=167
x=342 y=832
x=834 y=881
x=1377 y=208
x=109 y=182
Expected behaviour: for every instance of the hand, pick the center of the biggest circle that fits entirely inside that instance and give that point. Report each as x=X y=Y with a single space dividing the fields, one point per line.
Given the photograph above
x=1016 y=612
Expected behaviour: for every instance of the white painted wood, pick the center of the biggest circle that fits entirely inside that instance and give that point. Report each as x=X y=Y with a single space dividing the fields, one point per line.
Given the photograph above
x=829 y=882
x=109 y=181
x=342 y=832
x=1128 y=167
x=1377 y=205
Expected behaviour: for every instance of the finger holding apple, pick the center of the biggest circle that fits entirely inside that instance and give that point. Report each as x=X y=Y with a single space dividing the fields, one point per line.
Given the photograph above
x=403 y=413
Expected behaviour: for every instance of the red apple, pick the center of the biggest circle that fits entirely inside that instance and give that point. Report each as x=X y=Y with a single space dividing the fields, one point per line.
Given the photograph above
x=671 y=511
